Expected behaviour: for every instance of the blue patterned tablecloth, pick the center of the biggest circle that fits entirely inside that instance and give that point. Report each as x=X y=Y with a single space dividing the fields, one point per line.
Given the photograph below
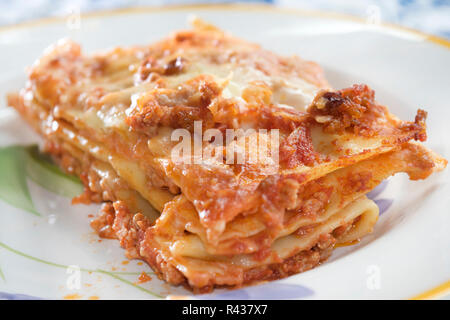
x=431 y=16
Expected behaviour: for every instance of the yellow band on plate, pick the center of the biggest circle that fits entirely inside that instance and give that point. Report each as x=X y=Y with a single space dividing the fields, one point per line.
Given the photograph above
x=434 y=293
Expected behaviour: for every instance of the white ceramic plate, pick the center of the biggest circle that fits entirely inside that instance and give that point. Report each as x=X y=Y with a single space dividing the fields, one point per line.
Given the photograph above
x=408 y=253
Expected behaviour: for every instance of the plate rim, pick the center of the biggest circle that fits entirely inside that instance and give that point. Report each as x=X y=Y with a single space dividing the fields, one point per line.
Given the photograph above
x=260 y=7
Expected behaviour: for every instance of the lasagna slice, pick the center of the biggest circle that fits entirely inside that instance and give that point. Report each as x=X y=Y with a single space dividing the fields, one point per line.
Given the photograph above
x=145 y=128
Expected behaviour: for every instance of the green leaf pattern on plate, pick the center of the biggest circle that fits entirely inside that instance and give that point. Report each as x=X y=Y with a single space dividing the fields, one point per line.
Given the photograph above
x=13 y=182
x=112 y=274
x=41 y=170
x=17 y=163
x=2 y=275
